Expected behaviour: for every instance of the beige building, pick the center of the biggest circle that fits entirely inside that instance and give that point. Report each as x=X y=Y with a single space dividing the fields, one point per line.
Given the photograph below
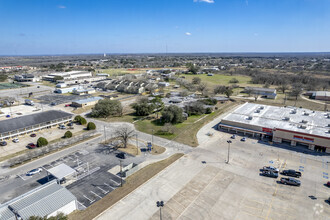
x=86 y=102
x=296 y=126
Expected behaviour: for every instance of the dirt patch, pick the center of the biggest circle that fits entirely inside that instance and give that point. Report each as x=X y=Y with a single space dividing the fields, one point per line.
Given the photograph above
x=132 y=183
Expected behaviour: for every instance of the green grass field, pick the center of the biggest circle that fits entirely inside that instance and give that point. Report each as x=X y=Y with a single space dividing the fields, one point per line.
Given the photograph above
x=220 y=79
x=10 y=85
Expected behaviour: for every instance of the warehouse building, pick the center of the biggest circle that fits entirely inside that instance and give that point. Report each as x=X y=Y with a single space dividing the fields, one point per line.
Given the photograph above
x=321 y=95
x=68 y=75
x=86 y=102
x=46 y=200
x=296 y=126
x=264 y=92
x=14 y=127
x=66 y=90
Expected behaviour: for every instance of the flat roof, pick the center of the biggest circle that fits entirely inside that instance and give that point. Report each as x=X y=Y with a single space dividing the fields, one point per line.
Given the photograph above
x=260 y=89
x=322 y=93
x=288 y=118
x=92 y=99
x=40 y=201
x=30 y=120
x=61 y=171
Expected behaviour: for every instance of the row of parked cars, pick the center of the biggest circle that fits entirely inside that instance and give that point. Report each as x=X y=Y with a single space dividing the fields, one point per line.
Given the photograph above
x=270 y=171
x=15 y=140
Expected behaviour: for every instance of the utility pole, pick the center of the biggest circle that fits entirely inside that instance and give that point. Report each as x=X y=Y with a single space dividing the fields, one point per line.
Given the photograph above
x=105 y=134
x=121 y=175
x=137 y=144
x=229 y=142
x=160 y=204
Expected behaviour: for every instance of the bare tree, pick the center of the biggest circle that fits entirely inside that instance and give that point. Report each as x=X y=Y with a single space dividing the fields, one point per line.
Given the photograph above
x=124 y=133
x=283 y=87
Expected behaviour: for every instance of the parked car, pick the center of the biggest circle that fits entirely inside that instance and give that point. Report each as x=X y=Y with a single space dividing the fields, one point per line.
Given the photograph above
x=268 y=173
x=243 y=139
x=121 y=155
x=328 y=184
x=34 y=171
x=15 y=140
x=292 y=173
x=8 y=116
x=33 y=135
x=67 y=105
x=62 y=127
x=233 y=136
x=270 y=168
x=3 y=143
x=290 y=181
x=53 y=103
x=31 y=146
x=70 y=124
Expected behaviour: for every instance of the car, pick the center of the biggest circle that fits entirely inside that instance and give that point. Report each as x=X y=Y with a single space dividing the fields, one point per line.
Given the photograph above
x=70 y=124
x=292 y=173
x=269 y=173
x=8 y=116
x=121 y=155
x=31 y=146
x=290 y=181
x=233 y=136
x=67 y=105
x=328 y=184
x=3 y=143
x=33 y=135
x=15 y=140
x=62 y=127
x=270 y=168
x=243 y=139
x=38 y=87
x=53 y=103
x=34 y=171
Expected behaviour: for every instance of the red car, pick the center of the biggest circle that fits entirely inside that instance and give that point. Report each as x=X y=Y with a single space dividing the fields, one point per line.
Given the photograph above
x=67 y=105
x=33 y=135
x=328 y=184
x=31 y=146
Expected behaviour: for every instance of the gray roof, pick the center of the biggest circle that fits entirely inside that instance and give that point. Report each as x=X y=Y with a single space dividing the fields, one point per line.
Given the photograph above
x=61 y=171
x=260 y=89
x=91 y=99
x=41 y=201
x=30 y=120
x=6 y=214
x=322 y=93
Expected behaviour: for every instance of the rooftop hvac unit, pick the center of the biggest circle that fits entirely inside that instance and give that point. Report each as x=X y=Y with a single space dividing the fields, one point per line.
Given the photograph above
x=286 y=119
x=328 y=125
x=257 y=111
x=306 y=113
x=294 y=111
x=249 y=118
x=304 y=121
x=261 y=107
x=302 y=126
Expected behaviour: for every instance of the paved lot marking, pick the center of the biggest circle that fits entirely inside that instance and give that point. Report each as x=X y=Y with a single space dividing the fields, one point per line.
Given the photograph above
x=271 y=203
x=104 y=191
x=115 y=182
x=96 y=194
x=24 y=177
x=109 y=186
x=81 y=204
x=90 y=201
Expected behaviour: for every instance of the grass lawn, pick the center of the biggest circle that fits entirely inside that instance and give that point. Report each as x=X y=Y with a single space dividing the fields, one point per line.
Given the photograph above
x=132 y=183
x=47 y=83
x=221 y=79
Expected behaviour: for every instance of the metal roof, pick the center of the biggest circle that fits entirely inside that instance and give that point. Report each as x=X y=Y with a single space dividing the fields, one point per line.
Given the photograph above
x=61 y=171
x=5 y=213
x=41 y=201
x=92 y=99
x=30 y=120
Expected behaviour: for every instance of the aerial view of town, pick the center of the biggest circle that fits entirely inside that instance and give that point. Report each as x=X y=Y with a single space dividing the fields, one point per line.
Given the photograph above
x=165 y=109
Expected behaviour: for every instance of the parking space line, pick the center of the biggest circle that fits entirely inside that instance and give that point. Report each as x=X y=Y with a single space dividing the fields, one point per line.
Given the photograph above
x=109 y=186
x=27 y=177
x=104 y=191
x=90 y=201
x=115 y=182
x=96 y=194
x=81 y=204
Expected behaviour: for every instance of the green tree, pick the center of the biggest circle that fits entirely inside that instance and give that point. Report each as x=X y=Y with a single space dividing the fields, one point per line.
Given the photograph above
x=106 y=107
x=233 y=80
x=172 y=114
x=58 y=78
x=196 y=80
x=77 y=118
x=229 y=91
x=59 y=216
x=219 y=89
x=192 y=68
x=42 y=142
x=68 y=134
x=83 y=121
x=91 y=126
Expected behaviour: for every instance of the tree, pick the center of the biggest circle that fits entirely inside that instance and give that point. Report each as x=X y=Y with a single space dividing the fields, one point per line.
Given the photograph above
x=106 y=107
x=295 y=91
x=82 y=121
x=91 y=126
x=219 y=89
x=256 y=96
x=283 y=87
x=233 y=80
x=42 y=142
x=124 y=133
x=229 y=91
x=202 y=87
x=68 y=134
x=172 y=114
x=196 y=80
x=195 y=108
x=192 y=68
x=142 y=107
x=58 y=78
x=77 y=118
x=59 y=216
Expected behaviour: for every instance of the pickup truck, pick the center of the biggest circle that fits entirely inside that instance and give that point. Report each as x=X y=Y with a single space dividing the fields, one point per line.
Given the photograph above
x=270 y=168
x=290 y=181
x=269 y=174
x=292 y=173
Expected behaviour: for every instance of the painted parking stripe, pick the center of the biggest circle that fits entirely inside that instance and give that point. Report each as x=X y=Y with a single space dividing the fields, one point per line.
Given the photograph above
x=96 y=194
x=324 y=173
x=90 y=201
x=115 y=182
x=108 y=186
x=81 y=204
x=325 y=177
x=104 y=191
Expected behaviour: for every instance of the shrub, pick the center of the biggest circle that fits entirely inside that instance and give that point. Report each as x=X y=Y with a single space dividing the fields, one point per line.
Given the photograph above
x=208 y=110
x=83 y=121
x=77 y=118
x=68 y=134
x=42 y=142
x=234 y=80
x=91 y=126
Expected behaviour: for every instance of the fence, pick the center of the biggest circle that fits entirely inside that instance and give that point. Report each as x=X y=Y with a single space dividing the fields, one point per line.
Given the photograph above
x=48 y=149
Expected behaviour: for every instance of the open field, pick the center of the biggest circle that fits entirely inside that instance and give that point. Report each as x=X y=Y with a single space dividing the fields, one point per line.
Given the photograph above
x=122 y=71
x=11 y=85
x=221 y=79
x=132 y=183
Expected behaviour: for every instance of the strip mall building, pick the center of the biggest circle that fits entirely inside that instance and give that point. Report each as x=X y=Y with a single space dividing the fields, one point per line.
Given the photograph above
x=296 y=126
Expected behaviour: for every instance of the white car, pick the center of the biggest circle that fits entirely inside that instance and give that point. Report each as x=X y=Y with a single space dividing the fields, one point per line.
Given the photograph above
x=34 y=171
x=62 y=126
x=15 y=140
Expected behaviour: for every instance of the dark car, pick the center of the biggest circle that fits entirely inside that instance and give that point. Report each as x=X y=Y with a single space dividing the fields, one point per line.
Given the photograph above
x=33 y=135
x=270 y=168
x=31 y=146
x=328 y=184
x=290 y=181
x=233 y=136
x=121 y=155
x=268 y=173
x=292 y=173
x=70 y=124
x=3 y=143
x=243 y=139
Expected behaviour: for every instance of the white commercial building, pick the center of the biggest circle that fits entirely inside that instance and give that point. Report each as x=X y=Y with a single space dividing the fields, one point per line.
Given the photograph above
x=68 y=75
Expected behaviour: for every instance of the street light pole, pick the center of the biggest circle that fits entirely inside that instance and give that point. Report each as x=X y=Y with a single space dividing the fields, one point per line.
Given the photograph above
x=121 y=175
x=160 y=204
x=137 y=144
x=229 y=142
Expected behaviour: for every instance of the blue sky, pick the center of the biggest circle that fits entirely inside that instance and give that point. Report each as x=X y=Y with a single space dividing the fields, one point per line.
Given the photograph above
x=32 y=27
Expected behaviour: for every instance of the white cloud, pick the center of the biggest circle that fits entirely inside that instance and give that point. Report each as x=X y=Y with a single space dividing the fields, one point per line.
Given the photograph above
x=188 y=33
x=207 y=1
x=61 y=6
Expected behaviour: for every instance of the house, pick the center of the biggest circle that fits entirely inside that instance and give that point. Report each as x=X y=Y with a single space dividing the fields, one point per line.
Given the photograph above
x=86 y=102
x=83 y=91
x=26 y=78
x=265 y=92
x=163 y=84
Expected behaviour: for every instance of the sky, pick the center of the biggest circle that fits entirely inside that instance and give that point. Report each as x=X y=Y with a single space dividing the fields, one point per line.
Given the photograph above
x=45 y=27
